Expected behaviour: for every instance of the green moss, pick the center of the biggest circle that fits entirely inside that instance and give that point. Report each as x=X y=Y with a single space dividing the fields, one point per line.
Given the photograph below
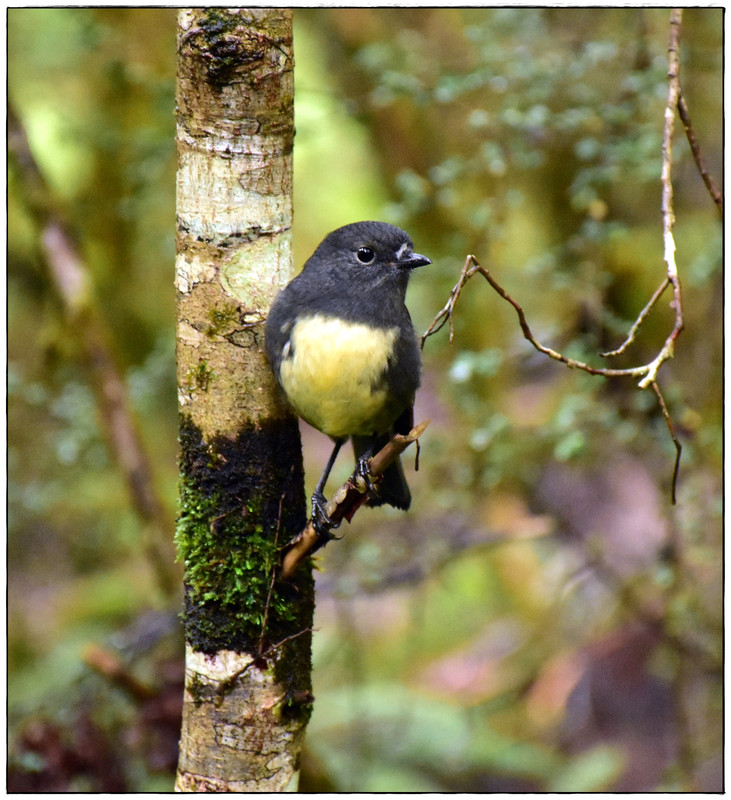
x=200 y=377
x=231 y=525
x=197 y=688
x=226 y=558
x=222 y=320
x=217 y=21
x=226 y=46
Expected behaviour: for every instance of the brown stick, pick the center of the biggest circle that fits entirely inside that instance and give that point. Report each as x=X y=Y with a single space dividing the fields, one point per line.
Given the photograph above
x=695 y=148
x=640 y=319
x=111 y=667
x=668 y=213
x=346 y=501
x=673 y=436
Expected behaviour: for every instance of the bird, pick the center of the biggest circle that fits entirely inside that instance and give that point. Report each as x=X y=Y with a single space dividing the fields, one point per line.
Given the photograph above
x=342 y=346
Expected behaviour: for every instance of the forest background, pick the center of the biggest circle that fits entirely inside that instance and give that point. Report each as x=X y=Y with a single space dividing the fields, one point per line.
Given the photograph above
x=543 y=618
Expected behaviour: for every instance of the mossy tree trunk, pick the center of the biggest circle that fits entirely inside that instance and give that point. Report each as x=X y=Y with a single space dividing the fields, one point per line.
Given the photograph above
x=248 y=636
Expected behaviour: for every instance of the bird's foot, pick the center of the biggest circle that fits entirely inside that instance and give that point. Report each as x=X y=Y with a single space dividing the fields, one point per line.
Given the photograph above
x=322 y=523
x=362 y=472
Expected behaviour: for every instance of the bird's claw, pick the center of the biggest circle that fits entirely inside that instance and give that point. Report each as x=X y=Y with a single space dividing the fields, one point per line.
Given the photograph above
x=322 y=523
x=363 y=473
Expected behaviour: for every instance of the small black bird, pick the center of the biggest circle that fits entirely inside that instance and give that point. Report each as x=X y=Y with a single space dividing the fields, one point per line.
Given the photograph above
x=342 y=346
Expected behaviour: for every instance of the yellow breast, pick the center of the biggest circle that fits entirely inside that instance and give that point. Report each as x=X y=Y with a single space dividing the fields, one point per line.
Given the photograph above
x=330 y=371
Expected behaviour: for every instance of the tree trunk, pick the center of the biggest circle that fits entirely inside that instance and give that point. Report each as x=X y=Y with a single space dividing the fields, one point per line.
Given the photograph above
x=248 y=636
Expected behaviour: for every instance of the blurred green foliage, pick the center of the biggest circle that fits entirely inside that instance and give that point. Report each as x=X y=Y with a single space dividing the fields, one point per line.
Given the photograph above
x=543 y=619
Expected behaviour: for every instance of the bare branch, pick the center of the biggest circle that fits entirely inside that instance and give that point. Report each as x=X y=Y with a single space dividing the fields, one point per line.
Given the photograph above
x=473 y=267
x=647 y=372
x=468 y=270
x=695 y=148
x=668 y=214
x=346 y=501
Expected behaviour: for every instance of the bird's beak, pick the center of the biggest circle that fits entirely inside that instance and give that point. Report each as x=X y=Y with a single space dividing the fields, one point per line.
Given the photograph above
x=413 y=260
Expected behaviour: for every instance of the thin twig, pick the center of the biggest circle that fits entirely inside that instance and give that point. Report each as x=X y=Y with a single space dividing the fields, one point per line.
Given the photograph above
x=470 y=268
x=640 y=319
x=695 y=148
x=228 y=683
x=277 y=645
x=647 y=372
x=673 y=436
x=473 y=267
x=668 y=214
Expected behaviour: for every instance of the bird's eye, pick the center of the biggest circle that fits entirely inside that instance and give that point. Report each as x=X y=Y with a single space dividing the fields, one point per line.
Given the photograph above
x=365 y=255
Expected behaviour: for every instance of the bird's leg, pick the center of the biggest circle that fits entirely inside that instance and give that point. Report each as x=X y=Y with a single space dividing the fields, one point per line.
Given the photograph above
x=323 y=524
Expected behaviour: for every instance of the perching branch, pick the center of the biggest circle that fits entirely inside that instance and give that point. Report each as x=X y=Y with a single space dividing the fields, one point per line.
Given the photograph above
x=647 y=373
x=346 y=501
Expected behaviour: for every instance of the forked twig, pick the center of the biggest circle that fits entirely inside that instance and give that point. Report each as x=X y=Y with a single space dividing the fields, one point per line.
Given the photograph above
x=647 y=373
x=473 y=267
